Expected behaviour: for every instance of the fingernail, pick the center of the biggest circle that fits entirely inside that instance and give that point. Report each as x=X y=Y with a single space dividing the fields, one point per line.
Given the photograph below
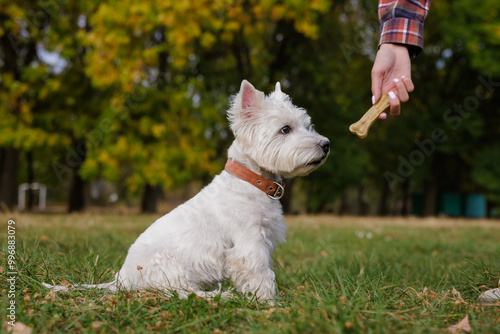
x=373 y=99
x=392 y=96
x=404 y=76
x=383 y=116
x=395 y=80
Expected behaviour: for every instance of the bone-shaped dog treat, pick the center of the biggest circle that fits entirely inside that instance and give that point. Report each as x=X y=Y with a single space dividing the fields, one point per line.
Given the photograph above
x=362 y=126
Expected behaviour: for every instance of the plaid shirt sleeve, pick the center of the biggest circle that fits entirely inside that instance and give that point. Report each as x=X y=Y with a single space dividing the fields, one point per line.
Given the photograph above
x=402 y=22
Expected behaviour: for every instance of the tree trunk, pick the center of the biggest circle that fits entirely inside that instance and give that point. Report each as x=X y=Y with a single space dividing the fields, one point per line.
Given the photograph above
x=8 y=177
x=364 y=206
x=10 y=156
x=430 y=199
x=77 y=193
x=383 y=209
x=405 y=210
x=344 y=205
x=30 y=198
x=149 y=201
x=77 y=189
x=432 y=187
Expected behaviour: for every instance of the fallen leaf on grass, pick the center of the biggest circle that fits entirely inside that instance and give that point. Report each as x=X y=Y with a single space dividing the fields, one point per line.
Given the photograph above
x=270 y=311
x=51 y=295
x=399 y=317
x=348 y=324
x=19 y=328
x=462 y=326
x=96 y=325
x=66 y=283
x=429 y=294
x=458 y=297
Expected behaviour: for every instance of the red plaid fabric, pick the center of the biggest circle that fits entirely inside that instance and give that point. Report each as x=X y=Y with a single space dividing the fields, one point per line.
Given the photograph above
x=402 y=22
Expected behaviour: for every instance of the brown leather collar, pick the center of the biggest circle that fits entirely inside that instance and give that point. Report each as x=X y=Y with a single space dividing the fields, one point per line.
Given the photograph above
x=275 y=190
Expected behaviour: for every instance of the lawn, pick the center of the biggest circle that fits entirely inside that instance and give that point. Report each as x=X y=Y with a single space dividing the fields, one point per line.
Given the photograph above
x=334 y=275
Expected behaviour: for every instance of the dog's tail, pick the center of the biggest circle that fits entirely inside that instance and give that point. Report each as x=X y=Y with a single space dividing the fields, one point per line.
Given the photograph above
x=111 y=286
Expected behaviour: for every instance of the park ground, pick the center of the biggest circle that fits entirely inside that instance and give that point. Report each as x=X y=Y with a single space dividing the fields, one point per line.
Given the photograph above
x=334 y=275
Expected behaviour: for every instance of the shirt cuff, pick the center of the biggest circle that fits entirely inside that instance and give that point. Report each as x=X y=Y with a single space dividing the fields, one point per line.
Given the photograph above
x=405 y=31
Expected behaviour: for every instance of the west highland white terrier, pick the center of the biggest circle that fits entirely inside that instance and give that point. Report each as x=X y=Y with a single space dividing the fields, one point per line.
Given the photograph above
x=231 y=227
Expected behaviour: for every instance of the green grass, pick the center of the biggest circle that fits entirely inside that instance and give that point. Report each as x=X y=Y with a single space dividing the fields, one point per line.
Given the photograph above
x=334 y=275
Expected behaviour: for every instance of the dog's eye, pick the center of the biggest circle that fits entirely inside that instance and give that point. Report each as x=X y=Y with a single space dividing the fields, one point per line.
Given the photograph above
x=286 y=129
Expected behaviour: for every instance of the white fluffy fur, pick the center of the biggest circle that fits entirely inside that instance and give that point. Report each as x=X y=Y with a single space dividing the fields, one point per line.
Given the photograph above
x=230 y=229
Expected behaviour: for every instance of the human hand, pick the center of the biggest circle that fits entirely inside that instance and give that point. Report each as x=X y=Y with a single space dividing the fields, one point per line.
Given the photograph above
x=391 y=73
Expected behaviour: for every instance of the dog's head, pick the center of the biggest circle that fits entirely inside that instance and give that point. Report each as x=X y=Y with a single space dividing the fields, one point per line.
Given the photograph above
x=276 y=134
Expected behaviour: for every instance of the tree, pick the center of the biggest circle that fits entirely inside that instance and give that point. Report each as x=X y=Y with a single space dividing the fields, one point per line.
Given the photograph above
x=136 y=92
x=22 y=27
x=486 y=171
x=56 y=102
x=164 y=62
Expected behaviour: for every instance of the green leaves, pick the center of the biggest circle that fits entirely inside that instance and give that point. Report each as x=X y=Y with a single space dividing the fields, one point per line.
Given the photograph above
x=147 y=84
x=486 y=170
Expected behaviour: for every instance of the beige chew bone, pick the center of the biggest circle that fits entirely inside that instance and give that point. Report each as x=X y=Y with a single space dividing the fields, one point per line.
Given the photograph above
x=362 y=126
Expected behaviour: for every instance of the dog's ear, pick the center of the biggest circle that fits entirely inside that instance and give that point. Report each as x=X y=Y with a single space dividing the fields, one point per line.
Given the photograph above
x=245 y=108
x=251 y=99
x=278 y=94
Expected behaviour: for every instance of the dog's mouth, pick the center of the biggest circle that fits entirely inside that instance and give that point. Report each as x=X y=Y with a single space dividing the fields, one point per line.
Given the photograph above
x=318 y=162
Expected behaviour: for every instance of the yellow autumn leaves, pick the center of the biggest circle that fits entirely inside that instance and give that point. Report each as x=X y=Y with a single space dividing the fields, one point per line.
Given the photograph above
x=129 y=89
x=118 y=53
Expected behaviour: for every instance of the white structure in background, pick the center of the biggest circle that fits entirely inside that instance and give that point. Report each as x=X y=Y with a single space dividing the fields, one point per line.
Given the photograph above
x=42 y=194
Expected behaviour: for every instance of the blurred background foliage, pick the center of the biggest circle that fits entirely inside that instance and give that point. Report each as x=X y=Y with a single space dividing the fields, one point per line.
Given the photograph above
x=131 y=96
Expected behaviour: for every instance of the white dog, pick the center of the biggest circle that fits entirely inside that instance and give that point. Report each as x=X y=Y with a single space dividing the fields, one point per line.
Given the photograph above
x=230 y=229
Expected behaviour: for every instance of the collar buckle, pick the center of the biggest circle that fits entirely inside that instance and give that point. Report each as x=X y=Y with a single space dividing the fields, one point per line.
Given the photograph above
x=280 y=191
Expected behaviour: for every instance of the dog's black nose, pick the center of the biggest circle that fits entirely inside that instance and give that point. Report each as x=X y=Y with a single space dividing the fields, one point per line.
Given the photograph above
x=325 y=145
